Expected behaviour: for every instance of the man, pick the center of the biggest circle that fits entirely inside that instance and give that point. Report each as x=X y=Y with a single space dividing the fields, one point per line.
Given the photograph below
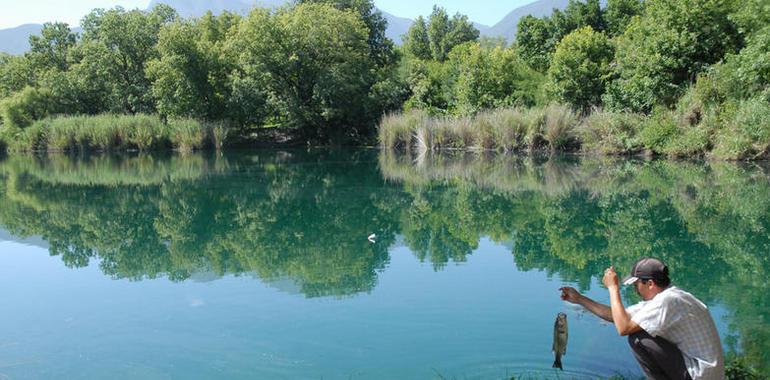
x=670 y=332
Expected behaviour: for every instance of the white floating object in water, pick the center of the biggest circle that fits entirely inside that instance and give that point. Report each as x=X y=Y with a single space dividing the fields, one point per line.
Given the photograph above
x=372 y=237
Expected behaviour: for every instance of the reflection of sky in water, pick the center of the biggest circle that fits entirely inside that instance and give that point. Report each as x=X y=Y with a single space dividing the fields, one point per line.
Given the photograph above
x=263 y=268
x=478 y=319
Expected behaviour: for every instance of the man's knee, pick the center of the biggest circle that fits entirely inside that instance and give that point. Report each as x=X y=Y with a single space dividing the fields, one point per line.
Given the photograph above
x=640 y=340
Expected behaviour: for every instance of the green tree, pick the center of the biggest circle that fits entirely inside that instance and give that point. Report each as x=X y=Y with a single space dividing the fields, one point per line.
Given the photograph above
x=314 y=62
x=117 y=44
x=416 y=41
x=49 y=50
x=445 y=33
x=662 y=52
x=752 y=15
x=490 y=78
x=429 y=86
x=190 y=76
x=576 y=15
x=380 y=46
x=536 y=38
x=533 y=41
x=618 y=14
x=580 y=68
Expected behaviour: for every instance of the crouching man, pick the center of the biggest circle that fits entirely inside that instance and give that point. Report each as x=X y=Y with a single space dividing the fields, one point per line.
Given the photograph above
x=670 y=332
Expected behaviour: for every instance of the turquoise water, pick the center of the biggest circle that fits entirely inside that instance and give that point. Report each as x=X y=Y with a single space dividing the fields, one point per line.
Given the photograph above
x=257 y=264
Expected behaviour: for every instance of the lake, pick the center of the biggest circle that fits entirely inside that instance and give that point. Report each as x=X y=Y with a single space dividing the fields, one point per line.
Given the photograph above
x=258 y=264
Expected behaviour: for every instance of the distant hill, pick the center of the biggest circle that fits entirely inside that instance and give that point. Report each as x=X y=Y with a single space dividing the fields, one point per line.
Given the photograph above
x=397 y=26
x=507 y=26
x=16 y=40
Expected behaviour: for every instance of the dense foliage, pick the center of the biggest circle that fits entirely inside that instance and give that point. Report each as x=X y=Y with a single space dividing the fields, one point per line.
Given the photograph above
x=677 y=78
x=692 y=75
x=322 y=70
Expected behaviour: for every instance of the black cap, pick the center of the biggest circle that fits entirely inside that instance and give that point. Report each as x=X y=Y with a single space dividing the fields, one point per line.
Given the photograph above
x=647 y=268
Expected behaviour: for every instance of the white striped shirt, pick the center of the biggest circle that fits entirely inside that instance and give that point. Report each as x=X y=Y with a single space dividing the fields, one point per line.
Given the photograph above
x=683 y=320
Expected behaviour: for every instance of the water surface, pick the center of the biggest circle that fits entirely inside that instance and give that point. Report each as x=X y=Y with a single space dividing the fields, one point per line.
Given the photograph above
x=257 y=264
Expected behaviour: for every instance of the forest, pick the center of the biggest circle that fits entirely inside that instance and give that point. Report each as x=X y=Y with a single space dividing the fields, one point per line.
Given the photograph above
x=669 y=77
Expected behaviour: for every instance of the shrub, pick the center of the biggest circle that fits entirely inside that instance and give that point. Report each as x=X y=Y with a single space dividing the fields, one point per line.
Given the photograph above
x=611 y=132
x=746 y=133
x=23 y=108
x=31 y=139
x=61 y=135
x=658 y=130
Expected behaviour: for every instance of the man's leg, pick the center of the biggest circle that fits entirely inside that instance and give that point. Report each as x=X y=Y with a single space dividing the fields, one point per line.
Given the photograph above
x=659 y=358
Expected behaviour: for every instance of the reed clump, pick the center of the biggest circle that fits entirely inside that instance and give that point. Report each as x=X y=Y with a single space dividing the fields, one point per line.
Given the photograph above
x=553 y=127
x=107 y=133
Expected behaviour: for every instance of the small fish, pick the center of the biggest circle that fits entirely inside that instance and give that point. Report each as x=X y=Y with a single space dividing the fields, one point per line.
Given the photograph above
x=371 y=238
x=560 y=332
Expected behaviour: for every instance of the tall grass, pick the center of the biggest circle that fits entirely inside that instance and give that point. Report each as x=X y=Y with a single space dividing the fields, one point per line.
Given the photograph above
x=114 y=133
x=510 y=129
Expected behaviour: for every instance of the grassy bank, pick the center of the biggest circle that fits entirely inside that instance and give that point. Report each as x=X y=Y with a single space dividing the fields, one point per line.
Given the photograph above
x=113 y=133
x=739 y=131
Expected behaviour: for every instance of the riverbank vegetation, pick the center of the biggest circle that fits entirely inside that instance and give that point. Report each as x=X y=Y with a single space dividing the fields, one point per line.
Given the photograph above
x=667 y=77
x=109 y=133
x=662 y=77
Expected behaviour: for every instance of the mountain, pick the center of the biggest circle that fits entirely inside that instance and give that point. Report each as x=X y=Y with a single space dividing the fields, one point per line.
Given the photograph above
x=397 y=26
x=16 y=40
x=507 y=26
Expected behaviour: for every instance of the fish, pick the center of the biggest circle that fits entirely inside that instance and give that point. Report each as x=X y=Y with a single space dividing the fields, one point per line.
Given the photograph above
x=560 y=333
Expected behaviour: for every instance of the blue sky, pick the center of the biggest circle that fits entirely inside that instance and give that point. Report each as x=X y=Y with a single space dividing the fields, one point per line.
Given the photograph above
x=16 y=12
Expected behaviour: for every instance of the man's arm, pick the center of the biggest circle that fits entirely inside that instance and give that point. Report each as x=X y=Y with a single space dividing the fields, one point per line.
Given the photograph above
x=620 y=317
x=571 y=295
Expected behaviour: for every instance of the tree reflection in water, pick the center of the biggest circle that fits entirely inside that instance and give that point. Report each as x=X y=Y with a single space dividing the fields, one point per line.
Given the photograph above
x=303 y=216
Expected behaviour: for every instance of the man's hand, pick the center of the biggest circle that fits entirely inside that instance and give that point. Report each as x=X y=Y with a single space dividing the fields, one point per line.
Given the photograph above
x=610 y=279
x=570 y=294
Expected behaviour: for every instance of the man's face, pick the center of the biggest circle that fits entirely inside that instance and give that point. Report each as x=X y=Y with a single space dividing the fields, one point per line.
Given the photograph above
x=642 y=288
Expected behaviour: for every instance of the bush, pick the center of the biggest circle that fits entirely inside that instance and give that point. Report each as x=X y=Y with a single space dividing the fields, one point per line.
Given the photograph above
x=746 y=133
x=611 y=132
x=31 y=139
x=737 y=369
x=534 y=124
x=23 y=108
x=658 y=130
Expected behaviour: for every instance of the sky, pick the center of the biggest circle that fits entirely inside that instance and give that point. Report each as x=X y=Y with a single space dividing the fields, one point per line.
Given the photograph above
x=17 y=12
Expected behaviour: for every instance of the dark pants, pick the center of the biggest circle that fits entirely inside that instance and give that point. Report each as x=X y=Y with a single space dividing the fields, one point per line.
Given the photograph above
x=659 y=358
